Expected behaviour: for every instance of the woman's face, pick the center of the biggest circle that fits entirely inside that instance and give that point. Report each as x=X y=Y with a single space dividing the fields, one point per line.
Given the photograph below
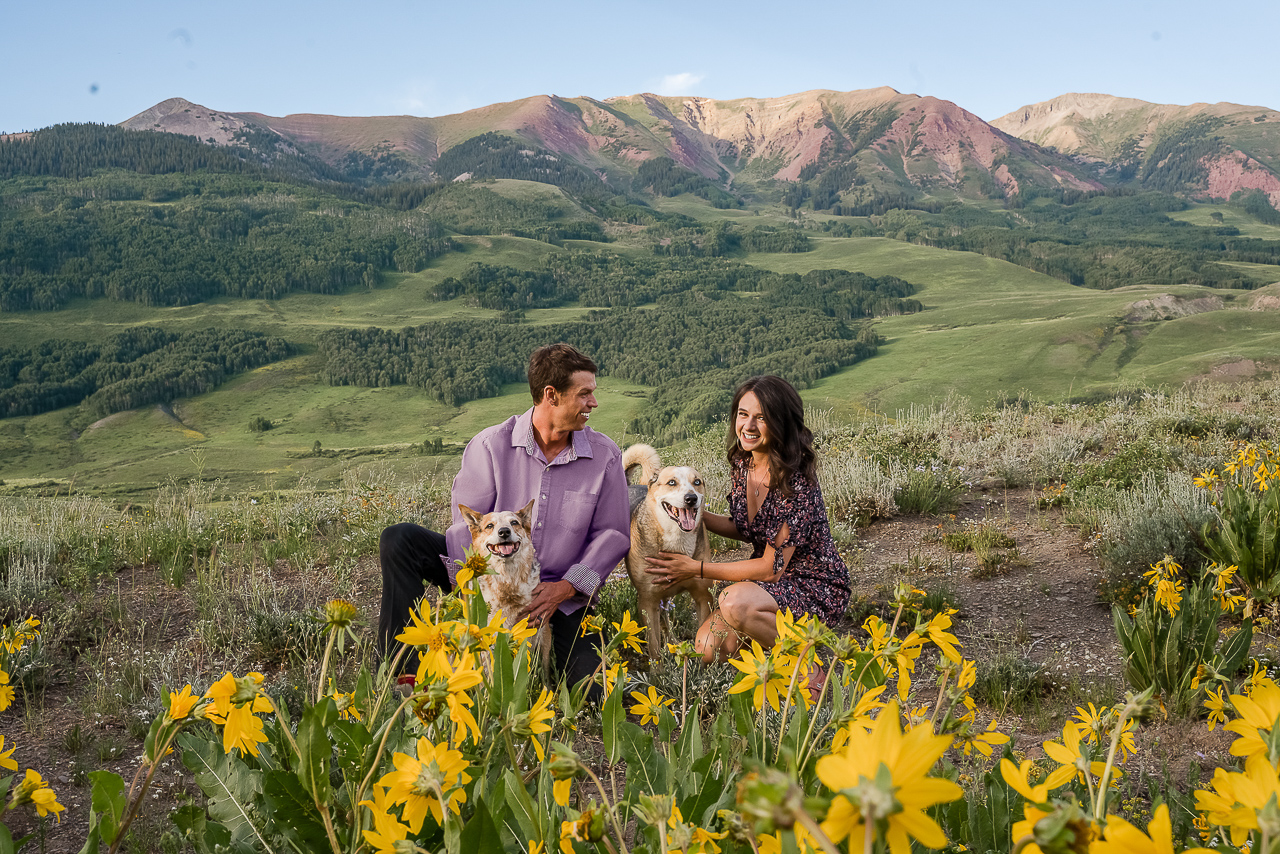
x=749 y=424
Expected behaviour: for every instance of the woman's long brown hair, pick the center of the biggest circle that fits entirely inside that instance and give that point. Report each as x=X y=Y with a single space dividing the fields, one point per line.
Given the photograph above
x=790 y=441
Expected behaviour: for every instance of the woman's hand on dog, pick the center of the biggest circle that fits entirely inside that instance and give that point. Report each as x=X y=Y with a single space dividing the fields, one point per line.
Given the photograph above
x=672 y=567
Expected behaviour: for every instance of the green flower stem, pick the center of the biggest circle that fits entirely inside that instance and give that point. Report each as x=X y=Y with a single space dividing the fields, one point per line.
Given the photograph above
x=1100 y=809
x=608 y=805
x=1022 y=843
x=684 y=690
x=511 y=749
x=809 y=738
x=324 y=665
x=806 y=821
x=275 y=710
x=937 y=704
x=328 y=826
x=382 y=745
x=391 y=675
x=135 y=803
x=791 y=689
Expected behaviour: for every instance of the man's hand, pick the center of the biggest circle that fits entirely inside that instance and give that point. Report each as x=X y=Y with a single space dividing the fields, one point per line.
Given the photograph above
x=547 y=596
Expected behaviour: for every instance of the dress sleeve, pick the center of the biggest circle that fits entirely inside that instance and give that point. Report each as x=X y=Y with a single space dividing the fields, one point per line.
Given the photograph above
x=797 y=513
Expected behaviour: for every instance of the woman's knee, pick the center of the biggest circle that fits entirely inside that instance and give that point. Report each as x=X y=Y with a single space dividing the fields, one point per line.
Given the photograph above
x=736 y=603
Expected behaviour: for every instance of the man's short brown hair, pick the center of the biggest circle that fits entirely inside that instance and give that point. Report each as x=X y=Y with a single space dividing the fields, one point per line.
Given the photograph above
x=554 y=365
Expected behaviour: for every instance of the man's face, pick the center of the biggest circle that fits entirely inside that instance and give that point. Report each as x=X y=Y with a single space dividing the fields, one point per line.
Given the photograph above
x=571 y=409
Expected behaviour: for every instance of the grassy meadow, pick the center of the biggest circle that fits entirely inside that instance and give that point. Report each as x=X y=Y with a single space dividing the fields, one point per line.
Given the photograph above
x=170 y=545
x=990 y=330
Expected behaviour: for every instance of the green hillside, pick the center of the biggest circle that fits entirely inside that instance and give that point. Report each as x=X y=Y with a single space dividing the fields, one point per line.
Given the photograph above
x=677 y=297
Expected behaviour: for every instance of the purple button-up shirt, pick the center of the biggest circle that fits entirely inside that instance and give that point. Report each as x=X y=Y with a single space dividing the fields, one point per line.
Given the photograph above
x=582 y=517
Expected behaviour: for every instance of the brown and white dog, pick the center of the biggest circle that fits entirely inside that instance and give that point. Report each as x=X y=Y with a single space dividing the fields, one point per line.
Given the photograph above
x=666 y=515
x=505 y=538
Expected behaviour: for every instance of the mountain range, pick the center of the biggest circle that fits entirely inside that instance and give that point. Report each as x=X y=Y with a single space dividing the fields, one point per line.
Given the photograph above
x=838 y=150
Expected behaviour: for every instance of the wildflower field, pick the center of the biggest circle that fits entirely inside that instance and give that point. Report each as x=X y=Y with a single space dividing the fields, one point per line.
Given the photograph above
x=1062 y=639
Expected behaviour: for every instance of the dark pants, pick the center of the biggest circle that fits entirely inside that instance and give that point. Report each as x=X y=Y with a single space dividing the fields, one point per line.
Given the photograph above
x=410 y=558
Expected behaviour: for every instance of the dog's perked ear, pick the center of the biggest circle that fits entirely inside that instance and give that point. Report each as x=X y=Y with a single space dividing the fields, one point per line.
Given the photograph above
x=526 y=515
x=654 y=479
x=472 y=517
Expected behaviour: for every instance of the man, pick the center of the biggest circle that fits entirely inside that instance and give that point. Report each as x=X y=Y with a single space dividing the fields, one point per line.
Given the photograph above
x=582 y=520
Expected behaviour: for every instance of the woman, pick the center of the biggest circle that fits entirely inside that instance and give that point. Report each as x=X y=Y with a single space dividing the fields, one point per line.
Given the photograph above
x=776 y=505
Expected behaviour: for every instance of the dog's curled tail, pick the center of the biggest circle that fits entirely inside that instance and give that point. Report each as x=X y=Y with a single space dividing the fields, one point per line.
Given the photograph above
x=645 y=457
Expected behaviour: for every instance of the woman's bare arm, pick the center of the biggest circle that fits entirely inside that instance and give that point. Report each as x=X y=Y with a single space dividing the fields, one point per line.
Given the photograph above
x=678 y=567
x=721 y=525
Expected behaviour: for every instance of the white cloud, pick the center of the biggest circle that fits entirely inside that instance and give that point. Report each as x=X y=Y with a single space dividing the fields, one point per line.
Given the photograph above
x=679 y=84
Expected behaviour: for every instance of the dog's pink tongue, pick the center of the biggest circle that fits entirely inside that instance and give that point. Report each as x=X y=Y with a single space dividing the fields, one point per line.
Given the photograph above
x=505 y=549
x=688 y=518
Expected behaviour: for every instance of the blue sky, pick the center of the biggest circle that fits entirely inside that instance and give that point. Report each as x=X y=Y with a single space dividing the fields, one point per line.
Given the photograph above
x=104 y=62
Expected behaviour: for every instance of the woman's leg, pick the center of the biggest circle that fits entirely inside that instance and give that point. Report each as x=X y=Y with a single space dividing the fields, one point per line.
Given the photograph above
x=746 y=610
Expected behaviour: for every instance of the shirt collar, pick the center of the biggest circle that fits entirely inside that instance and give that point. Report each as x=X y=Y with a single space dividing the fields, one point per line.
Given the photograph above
x=522 y=437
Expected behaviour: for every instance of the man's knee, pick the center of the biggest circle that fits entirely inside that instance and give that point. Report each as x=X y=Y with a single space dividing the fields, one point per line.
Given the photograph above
x=393 y=538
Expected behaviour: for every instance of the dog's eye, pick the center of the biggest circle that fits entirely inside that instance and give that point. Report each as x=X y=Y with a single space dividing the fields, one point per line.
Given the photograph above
x=671 y=482
x=487 y=527
x=697 y=481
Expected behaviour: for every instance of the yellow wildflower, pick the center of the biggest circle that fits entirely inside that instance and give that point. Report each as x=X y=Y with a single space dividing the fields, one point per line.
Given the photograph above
x=881 y=779
x=649 y=707
x=630 y=630
x=1258 y=711
x=419 y=782
x=1123 y=838
x=34 y=790
x=536 y=722
x=761 y=673
x=181 y=704
x=6 y=756
x=1018 y=777
x=936 y=633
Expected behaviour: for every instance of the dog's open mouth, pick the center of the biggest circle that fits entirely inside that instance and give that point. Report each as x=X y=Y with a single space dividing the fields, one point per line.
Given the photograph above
x=686 y=518
x=504 y=549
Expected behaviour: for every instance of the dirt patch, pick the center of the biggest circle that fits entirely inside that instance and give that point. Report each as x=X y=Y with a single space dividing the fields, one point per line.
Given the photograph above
x=1042 y=605
x=1168 y=306
x=1043 y=597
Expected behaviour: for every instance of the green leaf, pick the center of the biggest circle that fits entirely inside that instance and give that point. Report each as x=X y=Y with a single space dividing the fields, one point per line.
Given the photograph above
x=503 y=675
x=689 y=746
x=521 y=805
x=744 y=717
x=711 y=794
x=666 y=725
x=612 y=717
x=232 y=788
x=205 y=836
x=293 y=812
x=991 y=818
x=648 y=771
x=1236 y=650
x=352 y=740
x=314 y=749
x=107 y=804
x=481 y=833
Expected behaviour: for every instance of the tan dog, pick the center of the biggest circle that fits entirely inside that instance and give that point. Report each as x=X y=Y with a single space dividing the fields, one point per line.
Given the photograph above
x=506 y=540
x=666 y=515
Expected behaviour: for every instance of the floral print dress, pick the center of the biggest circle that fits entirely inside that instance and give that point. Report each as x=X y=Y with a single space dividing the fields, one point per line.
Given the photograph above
x=816 y=580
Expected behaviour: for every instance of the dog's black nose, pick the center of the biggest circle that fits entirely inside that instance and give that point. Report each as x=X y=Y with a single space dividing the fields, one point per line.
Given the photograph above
x=505 y=533
x=691 y=499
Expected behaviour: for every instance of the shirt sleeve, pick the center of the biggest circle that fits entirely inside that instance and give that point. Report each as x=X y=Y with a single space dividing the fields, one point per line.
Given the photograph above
x=609 y=536
x=475 y=487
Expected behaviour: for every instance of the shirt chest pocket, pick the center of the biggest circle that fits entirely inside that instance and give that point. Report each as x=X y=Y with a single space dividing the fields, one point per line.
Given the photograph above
x=576 y=511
